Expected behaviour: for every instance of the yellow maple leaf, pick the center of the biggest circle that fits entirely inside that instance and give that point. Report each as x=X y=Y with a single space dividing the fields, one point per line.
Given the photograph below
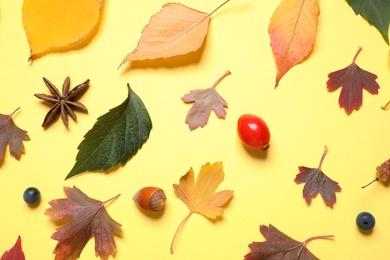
x=52 y=25
x=200 y=197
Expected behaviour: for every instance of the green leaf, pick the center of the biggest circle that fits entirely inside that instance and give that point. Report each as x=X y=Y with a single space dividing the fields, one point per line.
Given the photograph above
x=376 y=12
x=115 y=137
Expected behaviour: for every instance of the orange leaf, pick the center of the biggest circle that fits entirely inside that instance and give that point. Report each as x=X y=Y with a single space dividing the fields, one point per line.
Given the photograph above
x=51 y=25
x=200 y=197
x=293 y=29
x=175 y=30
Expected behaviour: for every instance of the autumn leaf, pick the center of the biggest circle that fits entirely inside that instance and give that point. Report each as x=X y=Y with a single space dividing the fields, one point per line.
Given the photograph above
x=200 y=197
x=15 y=253
x=376 y=12
x=279 y=246
x=204 y=101
x=293 y=30
x=317 y=182
x=352 y=80
x=115 y=137
x=175 y=30
x=51 y=25
x=13 y=135
x=88 y=218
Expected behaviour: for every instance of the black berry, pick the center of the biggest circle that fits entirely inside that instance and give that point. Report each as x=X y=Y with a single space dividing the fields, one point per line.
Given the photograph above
x=365 y=220
x=31 y=195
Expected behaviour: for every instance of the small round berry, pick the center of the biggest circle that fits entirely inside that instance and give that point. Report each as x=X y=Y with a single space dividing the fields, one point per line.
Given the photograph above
x=31 y=195
x=365 y=220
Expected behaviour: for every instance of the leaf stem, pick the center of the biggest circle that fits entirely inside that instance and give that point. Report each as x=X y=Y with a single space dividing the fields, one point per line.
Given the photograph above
x=221 y=78
x=376 y=179
x=357 y=53
x=317 y=237
x=219 y=7
x=14 y=111
x=113 y=198
x=323 y=156
x=178 y=228
x=385 y=106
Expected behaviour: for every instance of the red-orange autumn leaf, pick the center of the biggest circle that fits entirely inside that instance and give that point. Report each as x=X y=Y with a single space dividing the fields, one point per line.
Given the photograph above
x=200 y=197
x=13 y=135
x=293 y=30
x=88 y=218
x=204 y=101
x=175 y=30
x=52 y=25
x=352 y=80
x=15 y=253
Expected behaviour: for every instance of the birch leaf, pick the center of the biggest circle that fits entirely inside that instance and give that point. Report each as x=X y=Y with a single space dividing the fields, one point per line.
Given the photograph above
x=52 y=25
x=293 y=30
x=175 y=30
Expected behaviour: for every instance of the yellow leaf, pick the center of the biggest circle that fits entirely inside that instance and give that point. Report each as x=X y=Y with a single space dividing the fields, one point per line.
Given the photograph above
x=175 y=30
x=200 y=197
x=51 y=25
x=293 y=29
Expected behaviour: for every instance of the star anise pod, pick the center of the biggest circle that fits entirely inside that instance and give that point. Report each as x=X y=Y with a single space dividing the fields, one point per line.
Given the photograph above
x=63 y=104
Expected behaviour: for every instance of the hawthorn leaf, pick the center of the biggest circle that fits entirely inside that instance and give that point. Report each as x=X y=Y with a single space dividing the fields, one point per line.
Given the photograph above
x=204 y=101
x=175 y=30
x=115 y=138
x=13 y=135
x=88 y=217
x=375 y=12
x=52 y=25
x=200 y=197
x=352 y=80
x=293 y=31
x=279 y=246
x=15 y=253
x=317 y=182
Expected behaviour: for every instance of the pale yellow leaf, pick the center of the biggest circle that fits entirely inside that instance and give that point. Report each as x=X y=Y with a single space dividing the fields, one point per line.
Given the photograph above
x=54 y=24
x=175 y=30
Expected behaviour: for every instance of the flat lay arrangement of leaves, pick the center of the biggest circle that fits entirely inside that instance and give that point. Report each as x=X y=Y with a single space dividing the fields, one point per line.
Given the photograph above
x=121 y=133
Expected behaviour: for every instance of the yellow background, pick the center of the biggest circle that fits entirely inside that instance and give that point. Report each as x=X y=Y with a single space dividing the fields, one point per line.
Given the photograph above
x=302 y=116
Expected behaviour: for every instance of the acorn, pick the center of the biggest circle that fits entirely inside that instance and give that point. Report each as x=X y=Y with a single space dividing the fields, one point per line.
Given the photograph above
x=151 y=199
x=382 y=173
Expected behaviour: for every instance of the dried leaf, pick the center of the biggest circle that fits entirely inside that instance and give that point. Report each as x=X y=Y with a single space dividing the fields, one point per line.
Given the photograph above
x=175 y=30
x=88 y=218
x=352 y=80
x=279 y=246
x=293 y=30
x=317 y=182
x=200 y=197
x=51 y=25
x=376 y=12
x=15 y=253
x=13 y=135
x=204 y=101
x=115 y=138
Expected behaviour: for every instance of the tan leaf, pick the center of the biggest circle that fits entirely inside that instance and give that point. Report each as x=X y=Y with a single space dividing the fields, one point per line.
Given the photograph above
x=52 y=25
x=175 y=30
x=200 y=197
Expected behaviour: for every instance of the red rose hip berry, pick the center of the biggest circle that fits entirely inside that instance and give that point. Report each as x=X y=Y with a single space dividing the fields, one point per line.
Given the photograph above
x=253 y=132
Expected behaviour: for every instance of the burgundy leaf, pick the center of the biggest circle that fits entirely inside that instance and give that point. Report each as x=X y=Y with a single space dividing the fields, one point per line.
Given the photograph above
x=352 y=80
x=279 y=246
x=13 y=135
x=317 y=182
x=204 y=101
x=15 y=253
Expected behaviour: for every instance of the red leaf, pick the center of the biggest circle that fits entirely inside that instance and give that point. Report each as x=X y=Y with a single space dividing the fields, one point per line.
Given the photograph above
x=15 y=253
x=204 y=101
x=280 y=246
x=13 y=135
x=353 y=80
x=317 y=182
x=89 y=218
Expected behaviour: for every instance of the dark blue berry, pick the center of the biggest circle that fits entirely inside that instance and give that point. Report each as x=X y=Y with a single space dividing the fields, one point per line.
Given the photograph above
x=365 y=220
x=31 y=195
